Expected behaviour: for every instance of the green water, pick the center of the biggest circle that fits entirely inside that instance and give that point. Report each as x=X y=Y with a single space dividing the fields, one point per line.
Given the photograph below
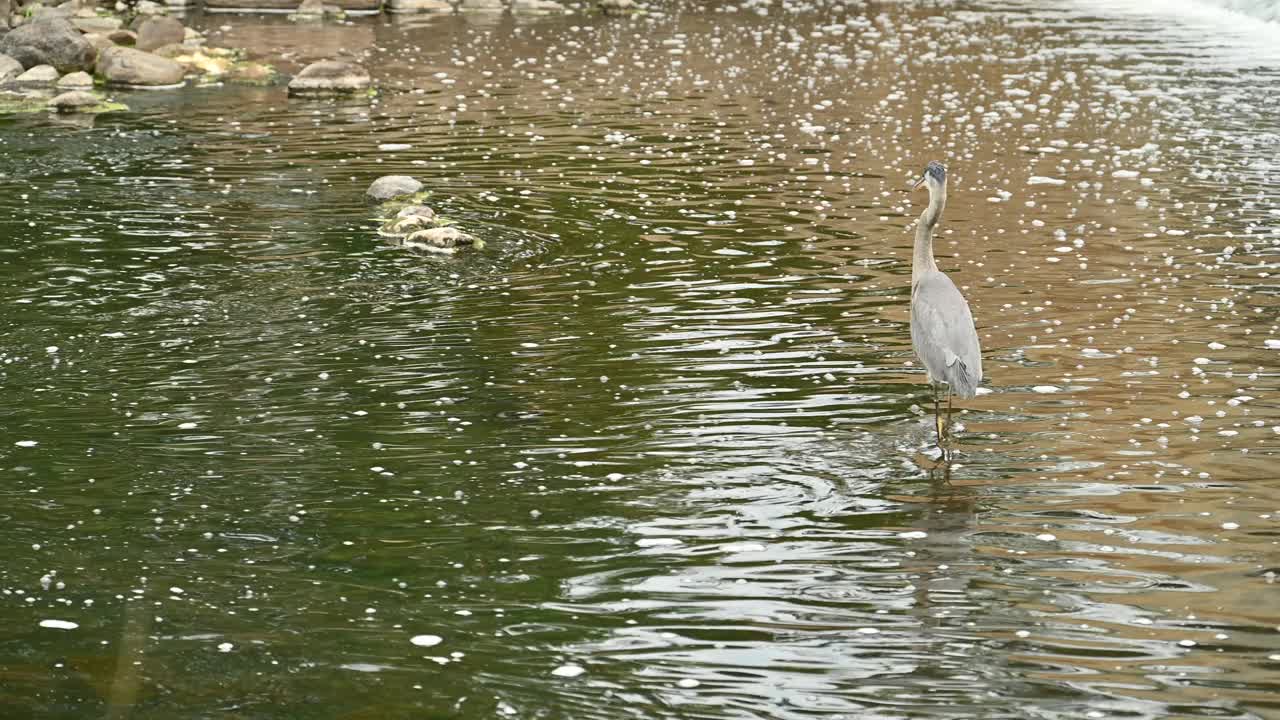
x=663 y=428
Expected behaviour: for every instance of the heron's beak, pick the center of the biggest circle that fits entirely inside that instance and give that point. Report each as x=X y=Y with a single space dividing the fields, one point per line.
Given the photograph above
x=919 y=182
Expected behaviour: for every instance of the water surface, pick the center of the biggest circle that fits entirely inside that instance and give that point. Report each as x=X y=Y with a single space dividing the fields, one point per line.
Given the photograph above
x=659 y=450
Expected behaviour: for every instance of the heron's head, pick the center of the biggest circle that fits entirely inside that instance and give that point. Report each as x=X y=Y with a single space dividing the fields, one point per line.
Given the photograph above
x=934 y=177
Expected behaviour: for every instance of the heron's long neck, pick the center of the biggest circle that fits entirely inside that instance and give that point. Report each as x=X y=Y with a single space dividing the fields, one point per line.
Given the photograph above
x=922 y=257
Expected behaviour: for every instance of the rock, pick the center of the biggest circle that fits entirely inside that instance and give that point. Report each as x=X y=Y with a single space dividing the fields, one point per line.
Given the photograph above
x=74 y=101
x=149 y=7
x=416 y=210
x=251 y=73
x=155 y=32
x=217 y=64
x=6 y=9
x=406 y=224
x=440 y=240
x=52 y=41
x=328 y=77
x=388 y=187
x=128 y=66
x=171 y=51
x=616 y=7
x=358 y=7
x=99 y=41
x=250 y=6
x=482 y=6
x=96 y=24
x=43 y=11
x=9 y=69
x=38 y=76
x=123 y=37
x=537 y=6
x=419 y=6
x=78 y=80
x=309 y=10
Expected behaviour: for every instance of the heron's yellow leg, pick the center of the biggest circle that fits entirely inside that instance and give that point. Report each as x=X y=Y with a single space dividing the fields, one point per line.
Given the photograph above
x=937 y=415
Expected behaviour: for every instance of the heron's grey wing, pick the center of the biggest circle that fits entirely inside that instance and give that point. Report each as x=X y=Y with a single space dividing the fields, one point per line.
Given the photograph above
x=943 y=334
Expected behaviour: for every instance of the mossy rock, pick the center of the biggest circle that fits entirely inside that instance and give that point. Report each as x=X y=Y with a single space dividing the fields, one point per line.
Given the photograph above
x=14 y=104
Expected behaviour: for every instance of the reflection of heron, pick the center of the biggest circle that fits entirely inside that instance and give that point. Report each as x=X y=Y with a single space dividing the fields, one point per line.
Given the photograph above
x=942 y=330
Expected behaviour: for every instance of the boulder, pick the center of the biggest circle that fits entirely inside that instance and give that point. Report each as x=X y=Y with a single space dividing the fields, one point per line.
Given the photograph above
x=51 y=41
x=74 y=101
x=129 y=66
x=156 y=32
x=329 y=77
x=482 y=5
x=419 y=6
x=9 y=69
x=38 y=76
x=616 y=7
x=79 y=80
x=6 y=9
x=389 y=187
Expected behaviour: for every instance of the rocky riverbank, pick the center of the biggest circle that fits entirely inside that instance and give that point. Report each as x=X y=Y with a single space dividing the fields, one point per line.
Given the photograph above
x=70 y=57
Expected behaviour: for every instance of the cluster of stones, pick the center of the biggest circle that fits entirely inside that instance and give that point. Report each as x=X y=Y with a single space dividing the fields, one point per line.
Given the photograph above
x=61 y=50
x=414 y=225
x=444 y=6
x=609 y=7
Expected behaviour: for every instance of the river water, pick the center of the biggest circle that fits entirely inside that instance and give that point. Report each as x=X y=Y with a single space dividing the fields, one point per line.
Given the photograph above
x=659 y=449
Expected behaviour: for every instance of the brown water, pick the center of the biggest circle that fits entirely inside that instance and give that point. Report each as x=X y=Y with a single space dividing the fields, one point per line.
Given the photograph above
x=659 y=450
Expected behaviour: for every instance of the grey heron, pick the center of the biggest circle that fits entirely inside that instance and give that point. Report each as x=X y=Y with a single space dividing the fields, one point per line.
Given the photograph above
x=942 y=330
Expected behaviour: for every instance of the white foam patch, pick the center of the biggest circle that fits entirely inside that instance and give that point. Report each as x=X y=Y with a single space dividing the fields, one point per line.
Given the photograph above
x=426 y=640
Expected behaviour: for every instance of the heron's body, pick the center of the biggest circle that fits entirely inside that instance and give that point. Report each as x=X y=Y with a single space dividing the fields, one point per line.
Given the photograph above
x=942 y=330
x=943 y=335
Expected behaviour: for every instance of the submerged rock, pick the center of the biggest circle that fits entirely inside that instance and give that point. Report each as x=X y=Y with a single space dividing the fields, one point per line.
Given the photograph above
x=482 y=5
x=444 y=240
x=409 y=220
x=127 y=66
x=220 y=65
x=389 y=187
x=49 y=41
x=75 y=101
x=330 y=77
x=12 y=102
